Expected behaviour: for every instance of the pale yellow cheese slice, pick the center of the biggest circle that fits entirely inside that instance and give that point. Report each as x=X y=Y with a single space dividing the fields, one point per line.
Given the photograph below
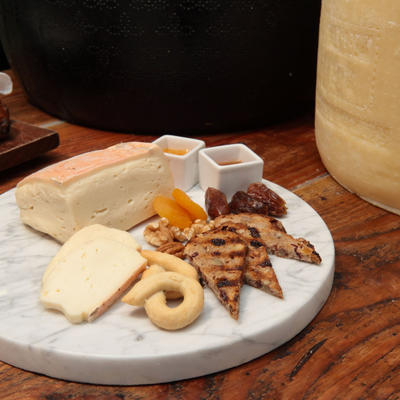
x=90 y=272
x=88 y=234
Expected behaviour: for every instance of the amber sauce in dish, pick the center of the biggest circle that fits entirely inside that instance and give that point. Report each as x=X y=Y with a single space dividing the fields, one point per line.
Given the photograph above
x=223 y=163
x=177 y=152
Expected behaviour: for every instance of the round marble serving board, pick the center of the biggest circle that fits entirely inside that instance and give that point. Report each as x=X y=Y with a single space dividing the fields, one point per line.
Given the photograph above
x=123 y=347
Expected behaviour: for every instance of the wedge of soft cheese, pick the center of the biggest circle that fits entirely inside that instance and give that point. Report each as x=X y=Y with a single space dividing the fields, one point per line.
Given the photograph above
x=113 y=187
x=90 y=272
x=88 y=234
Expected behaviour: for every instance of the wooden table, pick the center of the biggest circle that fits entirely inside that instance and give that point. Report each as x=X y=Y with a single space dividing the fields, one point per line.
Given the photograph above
x=351 y=350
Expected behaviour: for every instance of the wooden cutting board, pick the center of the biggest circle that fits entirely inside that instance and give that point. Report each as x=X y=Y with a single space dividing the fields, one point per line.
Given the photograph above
x=24 y=143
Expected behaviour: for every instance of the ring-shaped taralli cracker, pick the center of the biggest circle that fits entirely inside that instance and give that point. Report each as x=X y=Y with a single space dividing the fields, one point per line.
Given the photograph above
x=148 y=292
x=151 y=270
x=156 y=269
x=170 y=263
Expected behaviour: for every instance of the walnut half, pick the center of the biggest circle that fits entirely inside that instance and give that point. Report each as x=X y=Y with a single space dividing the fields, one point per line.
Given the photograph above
x=158 y=233
x=174 y=248
x=198 y=226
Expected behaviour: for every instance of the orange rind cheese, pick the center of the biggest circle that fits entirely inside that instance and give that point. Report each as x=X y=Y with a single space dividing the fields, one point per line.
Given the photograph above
x=114 y=187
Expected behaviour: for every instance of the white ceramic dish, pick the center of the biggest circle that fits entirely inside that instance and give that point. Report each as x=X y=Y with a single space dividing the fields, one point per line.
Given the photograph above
x=184 y=167
x=229 y=178
x=122 y=347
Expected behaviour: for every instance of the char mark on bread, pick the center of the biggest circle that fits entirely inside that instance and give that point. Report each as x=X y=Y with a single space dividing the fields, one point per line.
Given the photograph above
x=258 y=270
x=220 y=256
x=274 y=235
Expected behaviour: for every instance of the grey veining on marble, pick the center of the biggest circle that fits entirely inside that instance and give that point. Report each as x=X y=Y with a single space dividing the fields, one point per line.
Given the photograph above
x=122 y=347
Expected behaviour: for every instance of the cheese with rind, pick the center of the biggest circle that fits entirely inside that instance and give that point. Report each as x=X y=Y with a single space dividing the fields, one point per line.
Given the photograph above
x=113 y=187
x=357 y=118
x=90 y=272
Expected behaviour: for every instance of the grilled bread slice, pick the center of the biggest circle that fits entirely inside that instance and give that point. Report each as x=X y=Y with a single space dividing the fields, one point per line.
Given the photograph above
x=274 y=235
x=220 y=257
x=258 y=270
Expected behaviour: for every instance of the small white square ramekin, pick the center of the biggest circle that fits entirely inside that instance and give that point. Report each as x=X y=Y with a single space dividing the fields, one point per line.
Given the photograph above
x=185 y=168
x=229 y=178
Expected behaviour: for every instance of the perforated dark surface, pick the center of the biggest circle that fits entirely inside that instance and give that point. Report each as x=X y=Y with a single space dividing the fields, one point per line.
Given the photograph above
x=161 y=65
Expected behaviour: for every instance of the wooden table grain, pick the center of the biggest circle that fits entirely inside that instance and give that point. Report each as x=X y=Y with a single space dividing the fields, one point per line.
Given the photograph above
x=351 y=350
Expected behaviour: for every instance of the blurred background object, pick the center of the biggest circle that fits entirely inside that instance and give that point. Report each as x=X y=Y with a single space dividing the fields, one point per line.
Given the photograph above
x=357 y=122
x=19 y=141
x=161 y=66
x=3 y=60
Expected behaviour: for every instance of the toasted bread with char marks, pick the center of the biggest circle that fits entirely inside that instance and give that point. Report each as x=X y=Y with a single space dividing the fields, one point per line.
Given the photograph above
x=258 y=272
x=220 y=256
x=274 y=235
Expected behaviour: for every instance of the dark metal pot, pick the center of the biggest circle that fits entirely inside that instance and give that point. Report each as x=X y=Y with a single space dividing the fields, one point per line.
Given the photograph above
x=156 y=66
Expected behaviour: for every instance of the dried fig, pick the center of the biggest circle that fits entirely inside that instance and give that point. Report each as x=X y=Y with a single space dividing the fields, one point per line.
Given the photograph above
x=216 y=203
x=276 y=205
x=242 y=202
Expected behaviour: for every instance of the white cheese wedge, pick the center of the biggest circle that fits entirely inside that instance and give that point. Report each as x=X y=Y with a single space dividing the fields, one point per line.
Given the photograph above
x=90 y=272
x=113 y=187
x=357 y=117
x=88 y=234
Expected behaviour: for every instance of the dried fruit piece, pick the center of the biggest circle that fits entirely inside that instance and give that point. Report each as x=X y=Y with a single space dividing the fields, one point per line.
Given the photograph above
x=241 y=202
x=170 y=209
x=276 y=205
x=194 y=210
x=216 y=203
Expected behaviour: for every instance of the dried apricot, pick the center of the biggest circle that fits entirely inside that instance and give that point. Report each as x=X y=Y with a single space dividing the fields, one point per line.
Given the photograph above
x=170 y=209
x=195 y=210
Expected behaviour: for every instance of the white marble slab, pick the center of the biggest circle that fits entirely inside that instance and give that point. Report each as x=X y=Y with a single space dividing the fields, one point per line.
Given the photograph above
x=123 y=347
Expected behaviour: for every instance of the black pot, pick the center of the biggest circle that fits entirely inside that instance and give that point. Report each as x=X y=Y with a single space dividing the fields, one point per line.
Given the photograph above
x=157 y=66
